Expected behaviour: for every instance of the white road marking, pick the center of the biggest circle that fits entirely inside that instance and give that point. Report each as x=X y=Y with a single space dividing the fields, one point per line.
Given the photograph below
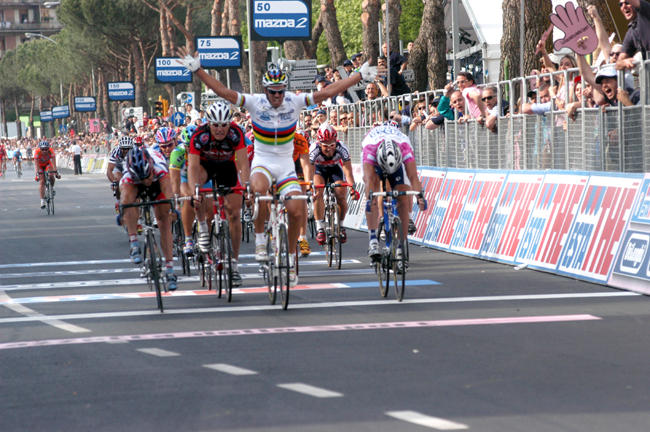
x=35 y=316
x=427 y=421
x=181 y=279
x=305 y=329
x=310 y=390
x=158 y=352
x=229 y=369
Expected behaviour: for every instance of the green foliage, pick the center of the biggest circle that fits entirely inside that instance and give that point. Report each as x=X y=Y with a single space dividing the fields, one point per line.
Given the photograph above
x=410 y=20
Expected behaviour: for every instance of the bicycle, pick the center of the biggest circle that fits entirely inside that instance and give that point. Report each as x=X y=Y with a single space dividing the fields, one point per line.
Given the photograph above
x=152 y=264
x=17 y=168
x=200 y=259
x=276 y=270
x=247 y=226
x=222 y=255
x=390 y=260
x=49 y=192
x=179 y=242
x=332 y=223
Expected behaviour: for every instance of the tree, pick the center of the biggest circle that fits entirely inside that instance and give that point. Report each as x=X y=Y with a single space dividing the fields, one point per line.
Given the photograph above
x=429 y=57
x=536 y=21
x=369 y=20
x=395 y=10
x=332 y=33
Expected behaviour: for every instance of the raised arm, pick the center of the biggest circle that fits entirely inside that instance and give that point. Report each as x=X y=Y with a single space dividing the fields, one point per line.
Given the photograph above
x=194 y=64
x=603 y=41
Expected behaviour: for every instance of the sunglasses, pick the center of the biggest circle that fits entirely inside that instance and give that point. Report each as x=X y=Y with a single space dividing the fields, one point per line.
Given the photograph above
x=275 y=92
x=620 y=4
x=164 y=146
x=220 y=124
x=615 y=54
x=487 y=98
x=328 y=145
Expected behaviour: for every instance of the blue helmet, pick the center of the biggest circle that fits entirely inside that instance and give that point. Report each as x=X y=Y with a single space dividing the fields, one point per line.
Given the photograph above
x=43 y=145
x=139 y=163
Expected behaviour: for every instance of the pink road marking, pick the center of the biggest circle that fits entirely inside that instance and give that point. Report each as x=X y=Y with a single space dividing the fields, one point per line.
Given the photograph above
x=307 y=329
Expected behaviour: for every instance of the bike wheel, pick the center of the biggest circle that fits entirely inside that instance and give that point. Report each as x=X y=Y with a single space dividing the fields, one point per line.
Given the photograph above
x=52 y=205
x=271 y=279
x=329 y=245
x=380 y=271
x=284 y=266
x=336 y=245
x=48 y=196
x=200 y=263
x=311 y=223
x=296 y=257
x=215 y=253
x=226 y=260
x=154 y=270
x=398 y=264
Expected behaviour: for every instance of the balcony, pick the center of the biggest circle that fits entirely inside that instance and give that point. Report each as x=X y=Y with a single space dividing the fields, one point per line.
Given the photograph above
x=11 y=27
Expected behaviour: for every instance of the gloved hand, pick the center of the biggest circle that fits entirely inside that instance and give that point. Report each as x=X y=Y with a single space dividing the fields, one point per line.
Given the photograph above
x=368 y=73
x=190 y=62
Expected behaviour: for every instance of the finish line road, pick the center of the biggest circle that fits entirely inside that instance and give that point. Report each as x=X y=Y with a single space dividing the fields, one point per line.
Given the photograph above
x=474 y=345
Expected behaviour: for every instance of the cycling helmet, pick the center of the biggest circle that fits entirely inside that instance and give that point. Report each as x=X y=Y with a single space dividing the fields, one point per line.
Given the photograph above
x=392 y=123
x=389 y=156
x=326 y=133
x=187 y=133
x=139 y=163
x=126 y=142
x=219 y=112
x=43 y=145
x=274 y=77
x=165 y=134
x=138 y=141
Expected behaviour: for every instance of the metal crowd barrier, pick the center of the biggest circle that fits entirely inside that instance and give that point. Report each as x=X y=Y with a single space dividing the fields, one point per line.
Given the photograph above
x=615 y=139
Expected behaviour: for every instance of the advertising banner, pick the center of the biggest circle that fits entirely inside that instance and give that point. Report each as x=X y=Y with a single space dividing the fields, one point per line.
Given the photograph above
x=510 y=216
x=121 y=91
x=475 y=217
x=448 y=207
x=61 y=112
x=549 y=223
x=169 y=71
x=85 y=104
x=46 y=116
x=432 y=180
x=598 y=226
x=220 y=52
x=280 y=20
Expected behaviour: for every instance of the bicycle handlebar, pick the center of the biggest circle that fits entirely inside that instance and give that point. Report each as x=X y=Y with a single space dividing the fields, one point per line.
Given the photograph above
x=146 y=203
x=258 y=198
x=395 y=194
x=333 y=185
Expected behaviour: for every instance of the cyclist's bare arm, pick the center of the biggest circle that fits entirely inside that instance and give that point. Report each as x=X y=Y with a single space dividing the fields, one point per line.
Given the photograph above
x=175 y=176
x=211 y=82
x=347 y=170
x=306 y=167
x=336 y=87
x=109 y=172
x=241 y=160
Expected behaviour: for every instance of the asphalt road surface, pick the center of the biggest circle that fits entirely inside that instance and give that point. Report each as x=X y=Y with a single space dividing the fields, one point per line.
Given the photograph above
x=474 y=345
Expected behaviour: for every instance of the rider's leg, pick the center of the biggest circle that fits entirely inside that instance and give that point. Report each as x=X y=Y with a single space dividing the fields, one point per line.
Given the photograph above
x=233 y=206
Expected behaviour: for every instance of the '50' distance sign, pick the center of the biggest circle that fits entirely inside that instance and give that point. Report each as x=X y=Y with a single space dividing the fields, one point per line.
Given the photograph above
x=280 y=20
x=220 y=52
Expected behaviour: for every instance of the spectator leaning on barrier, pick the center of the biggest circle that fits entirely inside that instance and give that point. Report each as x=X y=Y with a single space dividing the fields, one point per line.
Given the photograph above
x=637 y=38
x=492 y=111
x=471 y=93
x=451 y=99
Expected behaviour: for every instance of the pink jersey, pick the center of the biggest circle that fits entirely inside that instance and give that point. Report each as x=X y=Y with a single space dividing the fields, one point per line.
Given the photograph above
x=376 y=135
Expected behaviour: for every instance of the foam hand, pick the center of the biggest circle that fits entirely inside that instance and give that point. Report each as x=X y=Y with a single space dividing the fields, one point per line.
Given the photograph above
x=578 y=34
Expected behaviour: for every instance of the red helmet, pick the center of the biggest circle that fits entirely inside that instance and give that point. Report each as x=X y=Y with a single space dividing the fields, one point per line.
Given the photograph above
x=138 y=140
x=326 y=133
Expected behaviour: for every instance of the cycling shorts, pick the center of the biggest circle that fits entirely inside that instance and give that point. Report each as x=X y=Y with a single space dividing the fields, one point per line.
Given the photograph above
x=397 y=178
x=331 y=173
x=223 y=173
x=152 y=192
x=282 y=169
x=45 y=167
x=208 y=184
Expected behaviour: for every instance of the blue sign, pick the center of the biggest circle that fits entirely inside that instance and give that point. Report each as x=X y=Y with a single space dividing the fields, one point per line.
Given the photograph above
x=633 y=257
x=178 y=118
x=121 y=91
x=280 y=20
x=46 y=116
x=61 y=112
x=219 y=52
x=85 y=104
x=63 y=129
x=169 y=71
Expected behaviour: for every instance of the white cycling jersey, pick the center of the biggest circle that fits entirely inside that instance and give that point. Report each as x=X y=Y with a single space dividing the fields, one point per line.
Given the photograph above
x=378 y=134
x=274 y=128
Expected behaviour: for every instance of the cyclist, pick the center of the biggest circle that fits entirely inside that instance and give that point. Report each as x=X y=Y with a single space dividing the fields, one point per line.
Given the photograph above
x=44 y=161
x=165 y=142
x=115 y=169
x=331 y=159
x=180 y=186
x=28 y=153
x=275 y=116
x=3 y=158
x=17 y=157
x=387 y=150
x=146 y=174
x=217 y=151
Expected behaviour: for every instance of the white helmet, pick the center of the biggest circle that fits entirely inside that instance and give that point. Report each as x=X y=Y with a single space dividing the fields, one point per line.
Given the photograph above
x=126 y=142
x=389 y=156
x=219 y=112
